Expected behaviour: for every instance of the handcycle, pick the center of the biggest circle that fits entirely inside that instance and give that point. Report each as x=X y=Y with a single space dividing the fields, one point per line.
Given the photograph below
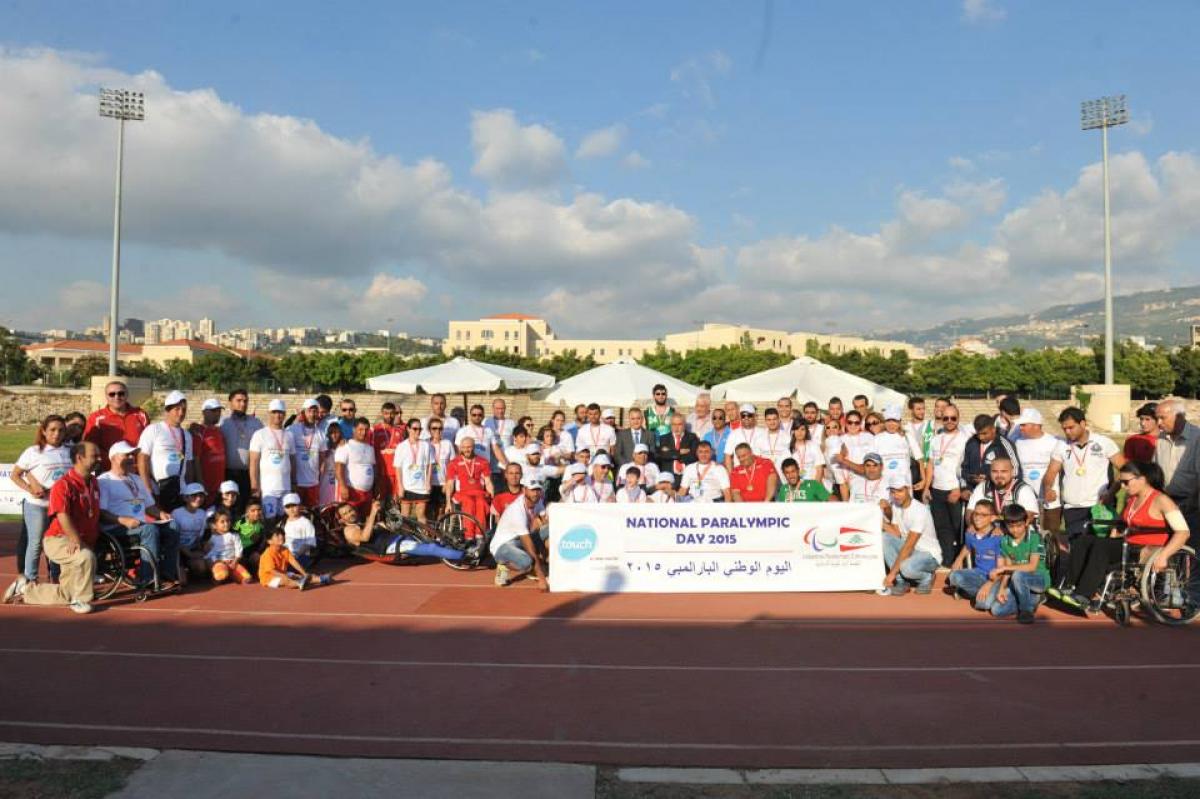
x=1167 y=595
x=393 y=531
x=124 y=563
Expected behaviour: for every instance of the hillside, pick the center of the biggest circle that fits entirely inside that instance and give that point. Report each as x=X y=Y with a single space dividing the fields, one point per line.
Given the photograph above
x=1162 y=317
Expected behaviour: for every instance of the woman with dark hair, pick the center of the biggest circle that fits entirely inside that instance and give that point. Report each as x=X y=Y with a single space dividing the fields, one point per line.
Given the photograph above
x=807 y=453
x=39 y=468
x=1152 y=521
x=327 y=491
x=75 y=422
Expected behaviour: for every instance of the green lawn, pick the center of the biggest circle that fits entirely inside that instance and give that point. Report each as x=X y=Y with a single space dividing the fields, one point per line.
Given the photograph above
x=64 y=779
x=14 y=438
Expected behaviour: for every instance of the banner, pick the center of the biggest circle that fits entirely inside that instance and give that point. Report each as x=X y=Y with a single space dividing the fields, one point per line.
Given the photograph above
x=721 y=547
x=11 y=497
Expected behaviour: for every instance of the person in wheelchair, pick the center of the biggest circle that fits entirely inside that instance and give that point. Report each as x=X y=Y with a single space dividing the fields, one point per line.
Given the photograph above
x=1150 y=519
x=380 y=542
x=128 y=512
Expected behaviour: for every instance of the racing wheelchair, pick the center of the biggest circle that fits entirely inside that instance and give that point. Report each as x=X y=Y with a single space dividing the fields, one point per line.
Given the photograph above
x=122 y=563
x=398 y=539
x=1168 y=596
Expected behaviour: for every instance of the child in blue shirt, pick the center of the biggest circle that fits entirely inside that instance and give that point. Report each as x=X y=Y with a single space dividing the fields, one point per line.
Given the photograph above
x=983 y=544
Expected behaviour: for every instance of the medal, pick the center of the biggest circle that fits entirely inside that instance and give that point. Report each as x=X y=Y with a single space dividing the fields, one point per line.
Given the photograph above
x=1081 y=471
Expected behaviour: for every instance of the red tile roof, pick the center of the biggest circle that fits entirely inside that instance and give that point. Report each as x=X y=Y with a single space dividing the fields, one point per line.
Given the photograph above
x=83 y=346
x=195 y=344
x=520 y=316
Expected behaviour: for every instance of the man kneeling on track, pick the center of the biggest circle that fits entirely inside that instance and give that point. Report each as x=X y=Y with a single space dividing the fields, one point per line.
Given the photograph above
x=513 y=546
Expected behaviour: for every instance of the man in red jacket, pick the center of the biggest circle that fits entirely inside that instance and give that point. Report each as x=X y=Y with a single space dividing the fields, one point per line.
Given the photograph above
x=116 y=421
x=210 y=449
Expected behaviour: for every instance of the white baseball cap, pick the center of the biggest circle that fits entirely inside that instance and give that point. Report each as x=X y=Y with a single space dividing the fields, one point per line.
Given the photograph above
x=291 y=499
x=574 y=468
x=174 y=398
x=277 y=406
x=212 y=404
x=229 y=487
x=532 y=481
x=1029 y=416
x=893 y=412
x=640 y=448
x=310 y=403
x=746 y=407
x=665 y=477
x=601 y=460
x=192 y=489
x=897 y=481
x=533 y=449
x=609 y=413
x=120 y=448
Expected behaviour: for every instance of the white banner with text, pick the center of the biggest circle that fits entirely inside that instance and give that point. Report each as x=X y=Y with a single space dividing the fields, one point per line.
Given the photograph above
x=715 y=547
x=11 y=497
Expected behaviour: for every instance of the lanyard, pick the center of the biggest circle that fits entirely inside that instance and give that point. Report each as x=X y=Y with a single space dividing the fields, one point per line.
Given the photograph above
x=771 y=443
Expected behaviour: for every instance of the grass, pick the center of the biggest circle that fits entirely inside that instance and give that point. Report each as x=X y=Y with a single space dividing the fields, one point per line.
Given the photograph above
x=14 y=438
x=64 y=779
x=609 y=787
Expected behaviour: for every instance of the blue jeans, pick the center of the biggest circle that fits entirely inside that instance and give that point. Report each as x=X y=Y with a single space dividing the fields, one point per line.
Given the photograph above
x=1024 y=593
x=35 y=529
x=917 y=568
x=160 y=540
x=513 y=555
x=968 y=581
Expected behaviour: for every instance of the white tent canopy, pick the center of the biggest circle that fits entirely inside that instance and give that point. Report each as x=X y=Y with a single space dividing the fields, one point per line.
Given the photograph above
x=809 y=380
x=619 y=384
x=459 y=376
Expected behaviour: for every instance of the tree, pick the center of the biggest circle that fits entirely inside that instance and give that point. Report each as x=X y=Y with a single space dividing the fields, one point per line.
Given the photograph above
x=15 y=366
x=84 y=369
x=1148 y=372
x=1185 y=362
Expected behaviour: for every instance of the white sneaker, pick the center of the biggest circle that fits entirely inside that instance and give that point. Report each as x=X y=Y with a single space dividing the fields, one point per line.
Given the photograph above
x=80 y=607
x=15 y=589
x=501 y=575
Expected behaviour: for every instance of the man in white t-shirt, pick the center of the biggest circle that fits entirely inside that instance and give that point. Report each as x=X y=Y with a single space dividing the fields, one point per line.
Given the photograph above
x=856 y=444
x=595 y=435
x=311 y=450
x=911 y=551
x=512 y=543
x=1036 y=450
x=787 y=415
x=774 y=443
x=1083 y=461
x=414 y=467
x=500 y=425
x=1003 y=488
x=649 y=470
x=166 y=458
x=354 y=465
x=437 y=410
x=748 y=432
x=870 y=485
x=127 y=507
x=705 y=480
x=699 y=421
x=487 y=446
x=942 y=457
x=272 y=461
x=892 y=446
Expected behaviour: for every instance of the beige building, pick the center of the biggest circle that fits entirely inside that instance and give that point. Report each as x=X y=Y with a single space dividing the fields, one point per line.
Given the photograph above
x=532 y=337
x=61 y=355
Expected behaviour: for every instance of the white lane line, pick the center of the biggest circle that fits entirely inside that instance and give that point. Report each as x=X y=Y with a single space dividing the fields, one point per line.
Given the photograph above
x=974 y=746
x=476 y=664
x=929 y=623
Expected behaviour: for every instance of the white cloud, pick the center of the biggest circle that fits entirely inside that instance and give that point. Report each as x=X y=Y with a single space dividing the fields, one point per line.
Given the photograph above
x=982 y=11
x=511 y=155
x=602 y=142
x=961 y=163
x=635 y=160
x=695 y=76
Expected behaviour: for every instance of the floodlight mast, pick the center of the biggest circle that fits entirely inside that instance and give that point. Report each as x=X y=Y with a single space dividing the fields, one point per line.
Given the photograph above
x=1104 y=113
x=121 y=105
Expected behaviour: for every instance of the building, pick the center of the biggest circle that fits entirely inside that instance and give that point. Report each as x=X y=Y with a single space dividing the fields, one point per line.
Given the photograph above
x=1196 y=335
x=206 y=330
x=714 y=335
x=61 y=354
x=839 y=345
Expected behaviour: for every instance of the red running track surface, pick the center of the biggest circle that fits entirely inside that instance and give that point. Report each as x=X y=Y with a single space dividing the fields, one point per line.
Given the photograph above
x=426 y=662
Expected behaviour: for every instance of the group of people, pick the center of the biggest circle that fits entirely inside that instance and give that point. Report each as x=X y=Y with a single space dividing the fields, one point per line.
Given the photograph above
x=983 y=497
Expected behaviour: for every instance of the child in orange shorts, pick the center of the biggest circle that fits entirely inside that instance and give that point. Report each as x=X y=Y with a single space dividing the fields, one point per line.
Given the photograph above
x=278 y=567
x=224 y=549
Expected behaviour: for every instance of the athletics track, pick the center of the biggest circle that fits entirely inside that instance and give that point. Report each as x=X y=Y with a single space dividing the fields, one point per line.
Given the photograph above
x=425 y=662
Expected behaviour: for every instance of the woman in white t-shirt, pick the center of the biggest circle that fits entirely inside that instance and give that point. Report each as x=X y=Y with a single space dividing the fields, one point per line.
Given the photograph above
x=443 y=451
x=333 y=440
x=834 y=475
x=806 y=452
x=414 y=466
x=39 y=468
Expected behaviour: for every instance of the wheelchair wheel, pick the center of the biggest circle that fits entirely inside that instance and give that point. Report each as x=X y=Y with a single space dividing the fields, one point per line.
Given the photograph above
x=452 y=532
x=1122 y=613
x=111 y=567
x=142 y=560
x=1166 y=594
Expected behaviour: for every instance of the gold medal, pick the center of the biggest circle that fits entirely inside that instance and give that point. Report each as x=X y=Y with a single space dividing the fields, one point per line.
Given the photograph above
x=1081 y=471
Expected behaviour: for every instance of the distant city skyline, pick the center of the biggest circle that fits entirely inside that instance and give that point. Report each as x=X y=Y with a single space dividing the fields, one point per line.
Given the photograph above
x=872 y=165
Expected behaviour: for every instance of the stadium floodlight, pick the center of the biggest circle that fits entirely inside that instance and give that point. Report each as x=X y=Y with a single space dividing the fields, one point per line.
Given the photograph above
x=1104 y=113
x=121 y=105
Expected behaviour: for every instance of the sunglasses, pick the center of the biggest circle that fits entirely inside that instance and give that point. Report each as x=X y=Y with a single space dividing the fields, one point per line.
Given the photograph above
x=434 y=428
x=874 y=423
x=348 y=410
x=416 y=427
x=116 y=393
x=747 y=415
x=949 y=418
x=718 y=417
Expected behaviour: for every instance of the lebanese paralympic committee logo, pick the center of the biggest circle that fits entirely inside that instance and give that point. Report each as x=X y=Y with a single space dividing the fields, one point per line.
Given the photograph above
x=846 y=539
x=577 y=543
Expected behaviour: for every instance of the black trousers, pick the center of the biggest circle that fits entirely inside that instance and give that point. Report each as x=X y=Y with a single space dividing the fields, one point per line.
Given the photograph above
x=947 y=520
x=1075 y=521
x=1091 y=559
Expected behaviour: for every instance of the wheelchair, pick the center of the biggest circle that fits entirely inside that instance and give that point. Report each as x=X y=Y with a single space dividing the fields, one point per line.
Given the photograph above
x=1167 y=596
x=120 y=564
x=449 y=531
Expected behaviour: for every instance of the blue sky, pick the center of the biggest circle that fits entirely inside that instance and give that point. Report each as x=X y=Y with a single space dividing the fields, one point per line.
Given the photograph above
x=776 y=161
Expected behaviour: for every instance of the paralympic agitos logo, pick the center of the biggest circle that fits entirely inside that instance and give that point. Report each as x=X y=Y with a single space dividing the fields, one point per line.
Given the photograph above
x=846 y=539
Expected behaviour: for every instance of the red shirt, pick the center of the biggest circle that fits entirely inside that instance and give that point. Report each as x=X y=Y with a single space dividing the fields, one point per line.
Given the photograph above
x=469 y=475
x=386 y=437
x=105 y=428
x=752 y=481
x=210 y=454
x=502 y=500
x=80 y=500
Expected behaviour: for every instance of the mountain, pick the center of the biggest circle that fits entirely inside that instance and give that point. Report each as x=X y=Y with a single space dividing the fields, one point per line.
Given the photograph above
x=1161 y=317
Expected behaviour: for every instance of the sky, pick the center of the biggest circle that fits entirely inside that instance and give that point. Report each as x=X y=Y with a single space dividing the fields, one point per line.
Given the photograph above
x=622 y=169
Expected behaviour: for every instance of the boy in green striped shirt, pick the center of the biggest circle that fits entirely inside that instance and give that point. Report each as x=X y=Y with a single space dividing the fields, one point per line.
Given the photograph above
x=1021 y=575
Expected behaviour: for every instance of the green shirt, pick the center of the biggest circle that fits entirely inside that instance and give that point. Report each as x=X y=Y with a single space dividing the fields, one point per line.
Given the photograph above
x=660 y=425
x=1019 y=552
x=248 y=531
x=807 y=491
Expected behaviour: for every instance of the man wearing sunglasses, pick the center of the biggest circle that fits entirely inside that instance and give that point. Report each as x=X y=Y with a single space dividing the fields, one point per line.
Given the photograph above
x=116 y=421
x=749 y=433
x=658 y=415
x=856 y=444
x=942 y=473
x=718 y=435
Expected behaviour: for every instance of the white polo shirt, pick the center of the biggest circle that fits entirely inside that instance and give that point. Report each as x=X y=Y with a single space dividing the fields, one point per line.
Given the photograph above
x=359 y=460
x=1036 y=455
x=705 y=482
x=274 y=448
x=169 y=448
x=947 y=450
x=308 y=444
x=1085 y=470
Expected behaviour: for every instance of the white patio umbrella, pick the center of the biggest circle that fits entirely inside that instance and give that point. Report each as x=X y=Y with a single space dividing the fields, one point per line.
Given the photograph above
x=459 y=376
x=620 y=384
x=809 y=380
